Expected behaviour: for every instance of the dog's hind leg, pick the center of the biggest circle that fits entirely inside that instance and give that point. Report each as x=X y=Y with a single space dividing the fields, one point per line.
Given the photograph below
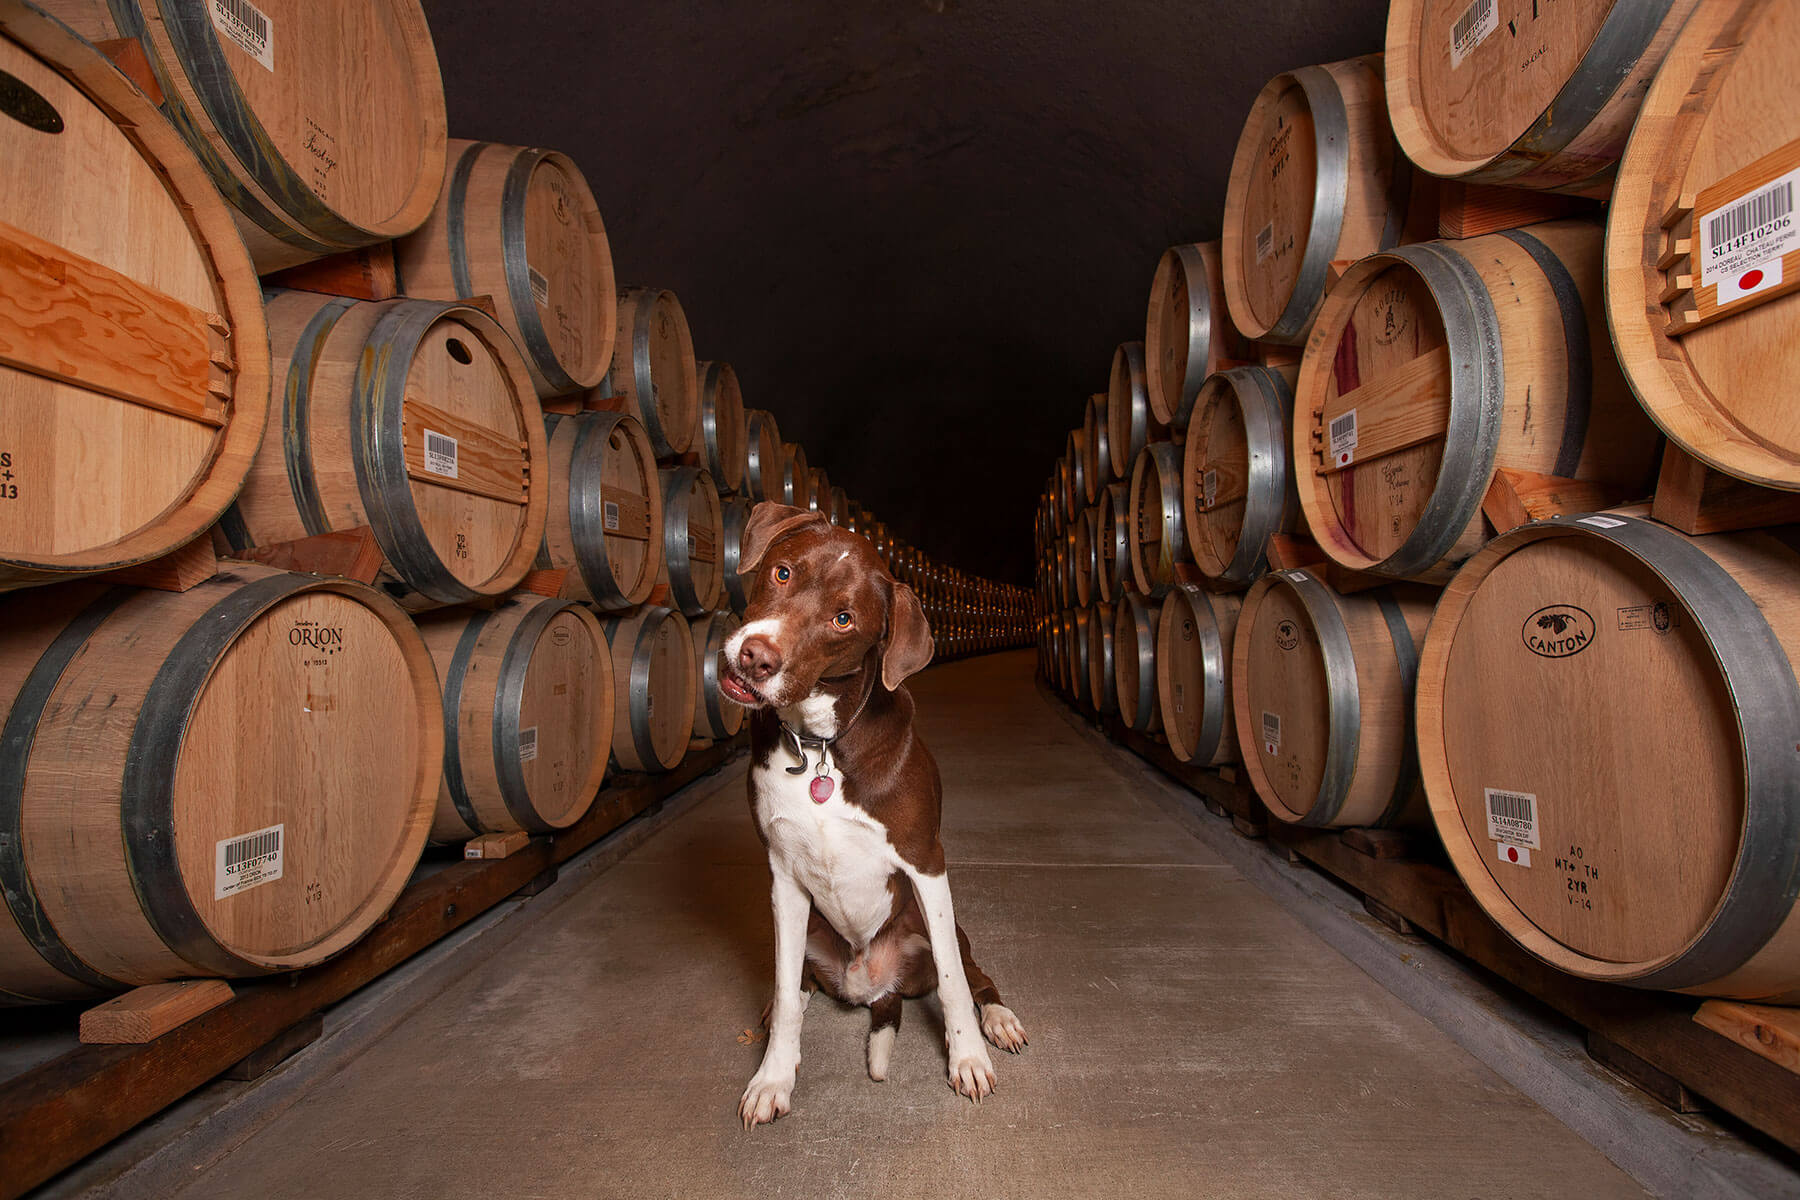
x=884 y=1025
x=998 y=1023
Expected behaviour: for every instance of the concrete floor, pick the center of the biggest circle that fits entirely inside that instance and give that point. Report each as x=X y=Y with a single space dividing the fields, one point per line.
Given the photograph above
x=1188 y=1037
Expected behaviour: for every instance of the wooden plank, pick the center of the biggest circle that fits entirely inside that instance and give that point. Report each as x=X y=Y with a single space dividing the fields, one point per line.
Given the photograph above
x=1399 y=409
x=364 y=274
x=192 y=564
x=482 y=462
x=1467 y=210
x=1645 y=1077
x=1288 y=552
x=146 y=1013
x=350 y=553
x=1383 y=843
x=1694 y=498
x=544 y=583
x=62 y=1110
x=632 y=518
x=1515 y=498
x=73 y=320
x=1774 y=1033
x=290 y=1042
x=496 y=845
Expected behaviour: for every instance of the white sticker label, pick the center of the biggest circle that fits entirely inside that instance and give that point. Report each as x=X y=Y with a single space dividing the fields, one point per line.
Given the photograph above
x=248 y=27
x=440 y=454
x=247 y=861
x=1601 y=522
x=1518 y=856
x=1209 y=488
x=1742 y=241
x=1271 y=729
x=1343 y=438
x=1512 y=817
x=1471 y=29
x=528 y=744
x=540 y=287
x=1265 y=242
x=612 y=516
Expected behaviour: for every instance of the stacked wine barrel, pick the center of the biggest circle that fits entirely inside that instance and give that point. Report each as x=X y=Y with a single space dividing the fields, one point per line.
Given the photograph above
x=1362 y=522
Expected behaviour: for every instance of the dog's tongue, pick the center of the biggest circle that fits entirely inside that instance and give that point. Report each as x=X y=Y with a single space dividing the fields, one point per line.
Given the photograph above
x=734 y=689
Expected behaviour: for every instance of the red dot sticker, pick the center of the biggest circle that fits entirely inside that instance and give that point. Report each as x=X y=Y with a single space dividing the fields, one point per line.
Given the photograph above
x=1512 y=854
x=1750 y=279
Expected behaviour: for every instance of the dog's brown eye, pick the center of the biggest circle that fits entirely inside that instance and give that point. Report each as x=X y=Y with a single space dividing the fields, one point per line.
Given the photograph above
x=842 y=620
x=782 y=574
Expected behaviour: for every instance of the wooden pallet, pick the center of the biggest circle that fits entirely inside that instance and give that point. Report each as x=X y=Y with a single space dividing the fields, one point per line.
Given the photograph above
x=1651 y=1037
x=59 y=1112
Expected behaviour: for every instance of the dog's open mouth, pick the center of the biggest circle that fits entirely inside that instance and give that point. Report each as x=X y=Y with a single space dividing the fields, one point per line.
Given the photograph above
x=737 y=689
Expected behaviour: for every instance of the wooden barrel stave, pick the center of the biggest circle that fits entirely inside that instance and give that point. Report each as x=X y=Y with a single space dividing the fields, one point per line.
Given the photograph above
x=249 y=722
x=1194 y=638
x=527 y=712
x=352 y=447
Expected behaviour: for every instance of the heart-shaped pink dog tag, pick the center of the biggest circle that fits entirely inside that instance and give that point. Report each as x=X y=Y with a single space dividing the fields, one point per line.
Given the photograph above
x=821 y=788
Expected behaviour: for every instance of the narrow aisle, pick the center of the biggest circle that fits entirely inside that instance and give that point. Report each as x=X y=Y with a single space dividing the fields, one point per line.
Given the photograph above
x=1187 y=1036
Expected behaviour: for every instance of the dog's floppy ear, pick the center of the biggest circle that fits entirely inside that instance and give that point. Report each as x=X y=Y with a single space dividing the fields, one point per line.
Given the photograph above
x=768 y=523
x=907 y=646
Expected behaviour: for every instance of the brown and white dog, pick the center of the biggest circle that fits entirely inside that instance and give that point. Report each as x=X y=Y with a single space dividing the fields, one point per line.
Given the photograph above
x=847 y=800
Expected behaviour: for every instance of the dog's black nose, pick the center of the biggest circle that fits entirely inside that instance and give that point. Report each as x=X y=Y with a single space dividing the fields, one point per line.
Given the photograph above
x=758 y=658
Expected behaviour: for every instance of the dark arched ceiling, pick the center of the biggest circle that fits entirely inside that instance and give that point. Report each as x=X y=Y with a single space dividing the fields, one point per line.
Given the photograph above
x=916 y=229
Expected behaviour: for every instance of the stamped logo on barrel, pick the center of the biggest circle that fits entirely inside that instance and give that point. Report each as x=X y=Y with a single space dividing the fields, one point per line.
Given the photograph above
x=1558 y=631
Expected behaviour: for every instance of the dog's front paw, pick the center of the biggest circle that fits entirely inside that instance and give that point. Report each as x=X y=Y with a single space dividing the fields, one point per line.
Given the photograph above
x=765 y=1099
x=972 y=1072
x=1001 y=1026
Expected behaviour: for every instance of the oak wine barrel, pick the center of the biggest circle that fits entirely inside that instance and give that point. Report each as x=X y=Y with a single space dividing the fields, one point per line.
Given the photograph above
x=1102 y=683
x=1237 y=471
x=796 y=477
x=1607 y=722
x=1188 y=333
x=1131 y=424
x=1135 y=622
x=653 y=374
x=1524 y=94
x=254 y=799
x=1435 y=364
x=1075 y=453
x=1080 y=657
x=1096 y=457
x=410 y=416
x=134 y=370
x=763 y=456
x=606 y=511
x=653 y=687
x=320 y=121
x=1322 y=694
x=1193 y=674
x=1316 y=178
x=1112 y=548
x=1158 y=541
x=527 y=715
x=1087 y=566
x=723 y=430
x=520 y=226
x=1701 y=298
x=842 y=512
x=818 y=492
x=691 y=536
x=714 y=716
x=734 y=515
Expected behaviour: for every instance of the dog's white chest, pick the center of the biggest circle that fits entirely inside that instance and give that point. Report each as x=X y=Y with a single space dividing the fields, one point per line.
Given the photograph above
x=837 y=852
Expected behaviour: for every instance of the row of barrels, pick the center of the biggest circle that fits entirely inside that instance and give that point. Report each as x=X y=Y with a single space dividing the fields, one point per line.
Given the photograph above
x=1597 y=716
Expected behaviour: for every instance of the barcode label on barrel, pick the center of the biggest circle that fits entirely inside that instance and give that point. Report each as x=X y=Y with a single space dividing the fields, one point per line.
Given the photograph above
x=1742 y=241
x=246 y=861
x=528 y=744
x=1265 y=242
x=248 y=28
x=1209 y=488
x=440 y=454
x=540 y=287
x=1271 y=729
x=1343 y=439
x=1471 y=29
x=1512 y=817
x=611 y=516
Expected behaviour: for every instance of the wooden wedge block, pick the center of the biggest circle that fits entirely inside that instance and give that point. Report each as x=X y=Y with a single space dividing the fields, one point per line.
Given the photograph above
x=1288 y=552
x=496 y=845
x=1515 y=498
x=351 y=553
x=127 y=54
x=1771 y=1032
x=194 y=563
x=145 y=1014
x=1467 y=210
x=364 y=274
x=544 y=583
x=1694 y=498
x=1381 y=843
